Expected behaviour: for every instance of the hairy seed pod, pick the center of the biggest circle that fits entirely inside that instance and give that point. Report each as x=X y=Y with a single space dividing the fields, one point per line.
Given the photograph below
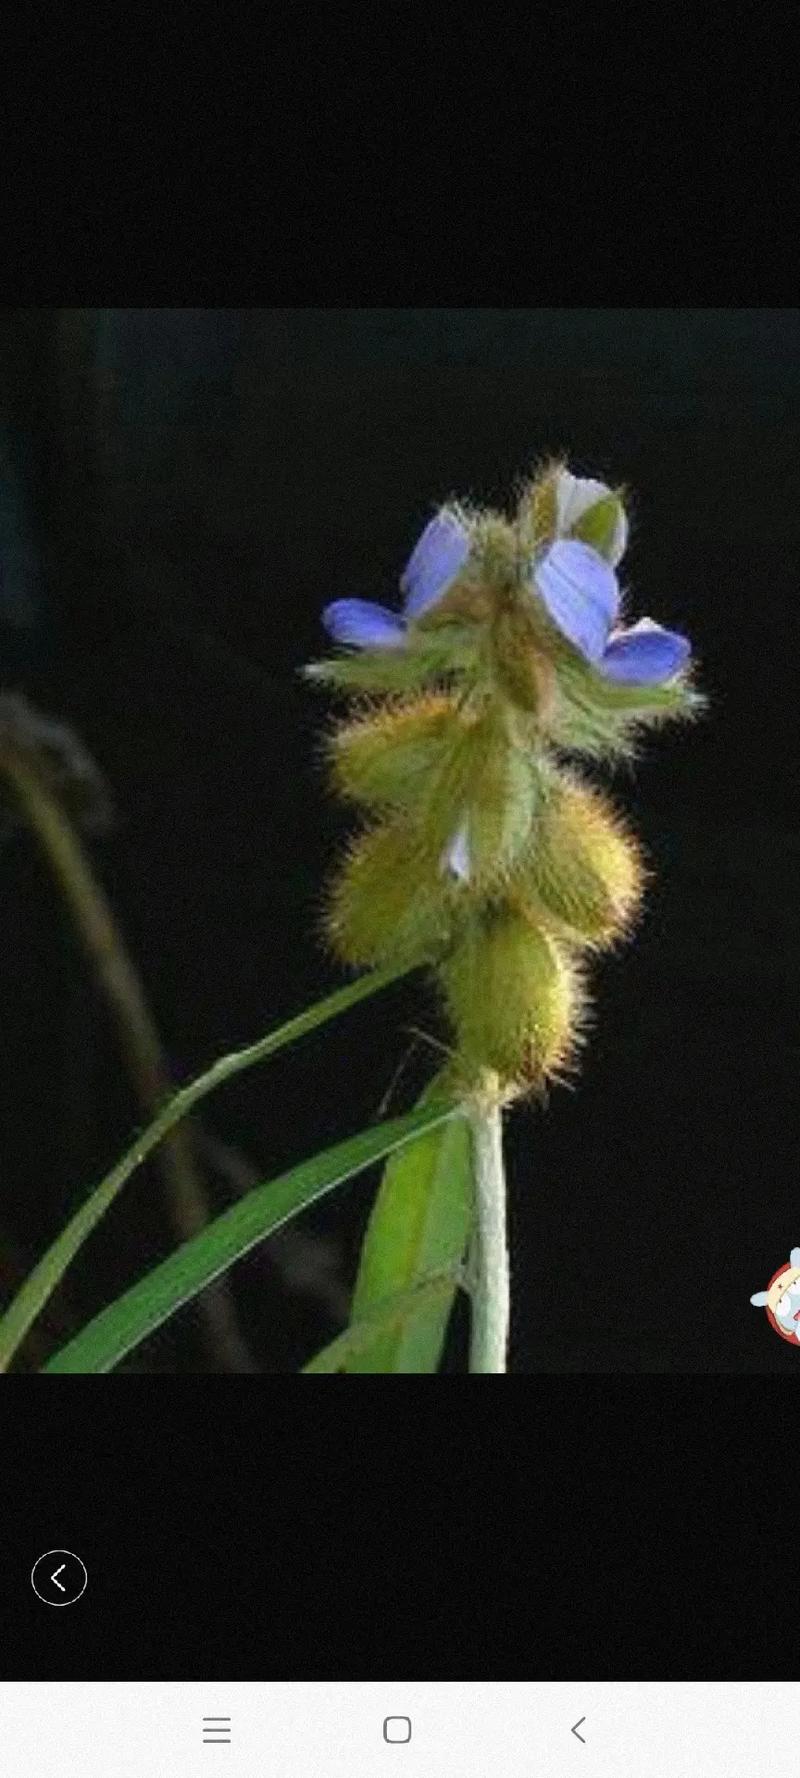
x=486 y=790
x=513 y=997
x=386 y=904
x=582 y=868
x=386 y=759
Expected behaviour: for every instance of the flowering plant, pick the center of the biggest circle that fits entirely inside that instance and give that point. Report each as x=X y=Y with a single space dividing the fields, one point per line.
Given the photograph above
x=485 y=856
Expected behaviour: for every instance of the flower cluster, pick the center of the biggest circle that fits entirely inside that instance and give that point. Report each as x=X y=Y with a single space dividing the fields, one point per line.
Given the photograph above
x=487 y=855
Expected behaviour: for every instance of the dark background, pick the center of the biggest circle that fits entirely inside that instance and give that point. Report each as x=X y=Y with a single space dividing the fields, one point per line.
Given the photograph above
x=183 y=491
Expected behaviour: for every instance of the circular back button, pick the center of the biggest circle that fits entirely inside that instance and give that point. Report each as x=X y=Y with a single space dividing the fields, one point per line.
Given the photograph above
x=59 y=1577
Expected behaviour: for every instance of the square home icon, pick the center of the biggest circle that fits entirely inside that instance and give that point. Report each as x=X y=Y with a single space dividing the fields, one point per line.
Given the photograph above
x=397 y=1728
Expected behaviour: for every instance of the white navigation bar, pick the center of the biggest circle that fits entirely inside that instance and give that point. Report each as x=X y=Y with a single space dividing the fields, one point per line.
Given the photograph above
x=394 y=1729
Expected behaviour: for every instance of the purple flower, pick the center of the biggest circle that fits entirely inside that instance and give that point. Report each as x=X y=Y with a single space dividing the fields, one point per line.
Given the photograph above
x=577 y=585
x=435 y=561
x=580 y=592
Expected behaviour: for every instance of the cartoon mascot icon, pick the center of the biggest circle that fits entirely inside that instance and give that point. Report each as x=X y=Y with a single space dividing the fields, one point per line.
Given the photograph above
x=781 y=1299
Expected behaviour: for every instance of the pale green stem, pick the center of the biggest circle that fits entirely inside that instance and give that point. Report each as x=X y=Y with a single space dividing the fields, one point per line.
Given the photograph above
x=488 y=1259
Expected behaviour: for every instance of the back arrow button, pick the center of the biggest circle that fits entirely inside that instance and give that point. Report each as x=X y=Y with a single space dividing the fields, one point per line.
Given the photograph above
x=575 y=1728
x=62 y=1584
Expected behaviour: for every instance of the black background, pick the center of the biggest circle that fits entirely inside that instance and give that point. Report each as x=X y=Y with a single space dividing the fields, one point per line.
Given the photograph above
x=200 y=484
x=570 y=1528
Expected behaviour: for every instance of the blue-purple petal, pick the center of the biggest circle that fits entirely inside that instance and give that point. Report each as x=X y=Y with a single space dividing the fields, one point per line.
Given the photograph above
x=361 y=624
x=645 y=655
x=581 y=593
x=434 y=562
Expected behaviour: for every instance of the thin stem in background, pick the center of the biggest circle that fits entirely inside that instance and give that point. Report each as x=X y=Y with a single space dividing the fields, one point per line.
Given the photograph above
x=139 y=1037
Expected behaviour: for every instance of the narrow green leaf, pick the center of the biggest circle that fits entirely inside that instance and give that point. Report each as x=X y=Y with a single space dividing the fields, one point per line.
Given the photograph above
x=42 y=1281
x=397 y=1311
x=118 y=1328
x=419 y=1225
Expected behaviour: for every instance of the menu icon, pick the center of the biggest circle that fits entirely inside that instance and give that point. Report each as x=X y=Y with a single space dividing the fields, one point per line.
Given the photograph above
x=216 y=1731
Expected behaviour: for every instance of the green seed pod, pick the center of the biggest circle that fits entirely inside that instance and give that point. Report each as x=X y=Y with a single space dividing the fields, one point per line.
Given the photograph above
x=386 y=905
x=386 y=759
x=513 y=997
x=583 y=868
x=486 y=792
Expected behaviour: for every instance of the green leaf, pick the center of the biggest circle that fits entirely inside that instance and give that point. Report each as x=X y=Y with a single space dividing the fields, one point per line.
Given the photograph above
x=420 y=1224
x=42 y=1281
x=117 y=1329
x=397 y=1311
x=428 y=655
x=597 y=716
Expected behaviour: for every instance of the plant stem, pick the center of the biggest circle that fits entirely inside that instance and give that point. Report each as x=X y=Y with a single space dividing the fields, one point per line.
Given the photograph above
x=488 y=1259
x=141 y=1046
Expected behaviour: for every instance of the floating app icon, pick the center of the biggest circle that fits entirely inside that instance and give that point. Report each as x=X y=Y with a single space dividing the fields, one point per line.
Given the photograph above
x=781 y=1299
